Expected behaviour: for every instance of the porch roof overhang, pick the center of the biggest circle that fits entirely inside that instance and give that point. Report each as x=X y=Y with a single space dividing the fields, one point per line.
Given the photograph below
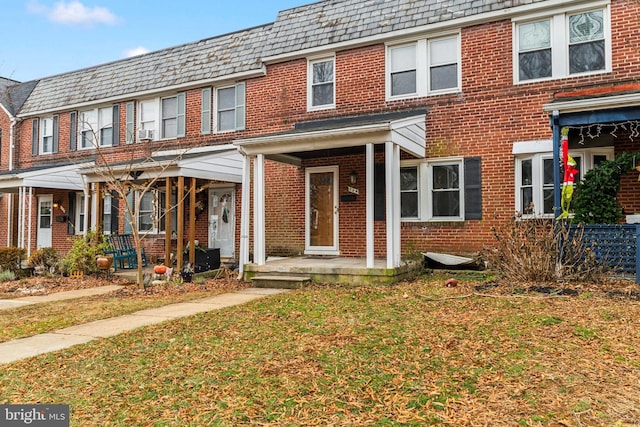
x=608 y=106
x=59 y=177
x=217 y=163
x=406 y=129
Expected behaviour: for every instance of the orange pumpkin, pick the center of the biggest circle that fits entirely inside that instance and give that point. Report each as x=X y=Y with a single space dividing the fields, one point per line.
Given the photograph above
x=160 y=269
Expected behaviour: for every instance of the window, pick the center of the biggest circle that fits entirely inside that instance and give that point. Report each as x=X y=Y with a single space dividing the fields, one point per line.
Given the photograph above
x=147 y=119
x=151 y=216
x=424 y=67
x=79 y=214
x=534 y=178
x=321 y=78
x=107 y=214
x=173 y=116
x=46 y=132
x=409 y=196
x=441 y=190
x=230 y=108
x=443 y=64
x=562 y=45
x=445 y=195
x=99 y=123
x=403 y=70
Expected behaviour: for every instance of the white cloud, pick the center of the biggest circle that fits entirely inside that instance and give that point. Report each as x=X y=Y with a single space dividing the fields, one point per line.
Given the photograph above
x=136 y=51
x=74 y=12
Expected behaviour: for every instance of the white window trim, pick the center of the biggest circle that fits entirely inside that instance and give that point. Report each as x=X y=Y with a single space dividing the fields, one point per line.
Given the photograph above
x=423 y=67
x=157 y=210
x=79 y=212
x=156 y=119
x=310 y=62
x=586 y=155
x=90 y=126
x=560 y=43
x=420 y=173
x=425 y=187
x=42 y=135
x=443 y=162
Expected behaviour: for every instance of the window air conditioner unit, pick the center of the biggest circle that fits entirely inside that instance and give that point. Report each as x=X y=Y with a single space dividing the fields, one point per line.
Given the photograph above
x=145 y=134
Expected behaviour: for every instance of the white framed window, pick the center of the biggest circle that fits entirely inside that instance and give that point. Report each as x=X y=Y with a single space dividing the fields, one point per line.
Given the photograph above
x=534 y=178
x=107 y=214
x=445 y=194
x=447 y=189
x=151 y=215
x=97 y=123
x=321 y=88
x=572 y=43
x=46 y=135
x=147 y=119
x=424 y=67
x=230 y=108
x=162 y=118
x=79 y=214
x=409 y=192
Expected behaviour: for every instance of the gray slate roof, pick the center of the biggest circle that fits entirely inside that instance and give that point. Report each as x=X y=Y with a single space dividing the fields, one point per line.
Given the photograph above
x=335 y=21
x=14 y=94
x=206 y=59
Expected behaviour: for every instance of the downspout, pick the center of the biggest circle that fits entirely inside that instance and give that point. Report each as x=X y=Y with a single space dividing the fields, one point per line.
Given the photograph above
x=14 y=122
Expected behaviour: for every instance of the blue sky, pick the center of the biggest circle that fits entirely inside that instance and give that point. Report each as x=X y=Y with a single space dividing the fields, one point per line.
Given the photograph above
x=42 y=38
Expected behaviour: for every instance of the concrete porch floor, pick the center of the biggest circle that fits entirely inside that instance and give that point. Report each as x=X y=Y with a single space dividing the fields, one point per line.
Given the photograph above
x=319 y=269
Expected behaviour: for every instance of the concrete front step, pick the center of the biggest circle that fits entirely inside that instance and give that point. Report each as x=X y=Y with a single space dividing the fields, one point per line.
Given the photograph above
x=281 y=282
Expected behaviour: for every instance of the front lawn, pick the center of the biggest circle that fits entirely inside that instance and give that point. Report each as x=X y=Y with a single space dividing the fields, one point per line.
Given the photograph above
x=413 y=354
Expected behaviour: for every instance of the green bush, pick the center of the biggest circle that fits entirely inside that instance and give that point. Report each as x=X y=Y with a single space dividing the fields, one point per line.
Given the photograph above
x=45 y=257
x=595 y=201
x=7 y=276
x=10 y=258
x=83 y=253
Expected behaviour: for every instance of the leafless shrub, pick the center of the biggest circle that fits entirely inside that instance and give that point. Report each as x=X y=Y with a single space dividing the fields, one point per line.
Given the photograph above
x=542 y=250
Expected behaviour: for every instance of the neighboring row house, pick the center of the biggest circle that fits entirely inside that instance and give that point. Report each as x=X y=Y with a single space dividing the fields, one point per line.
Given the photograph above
x=356 y=128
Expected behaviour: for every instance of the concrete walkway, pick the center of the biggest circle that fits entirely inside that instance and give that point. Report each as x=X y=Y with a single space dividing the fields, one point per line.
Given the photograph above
x=6 y=304
x=12 y=351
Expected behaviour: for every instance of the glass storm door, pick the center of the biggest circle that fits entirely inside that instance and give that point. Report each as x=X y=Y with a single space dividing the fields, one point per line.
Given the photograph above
x=322 y=211
x=222 y=214
x=45 y=219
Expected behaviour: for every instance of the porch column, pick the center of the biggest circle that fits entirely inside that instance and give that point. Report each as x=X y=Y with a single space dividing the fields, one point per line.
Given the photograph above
x=31 y=220
x=87 y=199
x=259 y=247
x=244 y=214
x=167 y=218
x=9 y=197
x=99 y=207
x=192 y=222
x=20 y=242
x=179 y=242
x=392 y=191
x=369 y=179
x=557 y=191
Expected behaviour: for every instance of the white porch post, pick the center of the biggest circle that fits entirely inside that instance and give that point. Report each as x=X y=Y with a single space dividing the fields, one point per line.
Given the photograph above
x=9 y=217
x=259 y=246
x=370 y=165
x=21 y=217
x=396 y=206
x=30 y=221
x=245 y=211
x=87 y=199
x=389 y=154
x=392 y=191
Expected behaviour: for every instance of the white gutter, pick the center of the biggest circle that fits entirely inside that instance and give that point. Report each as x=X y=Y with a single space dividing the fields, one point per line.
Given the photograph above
x=599 y=103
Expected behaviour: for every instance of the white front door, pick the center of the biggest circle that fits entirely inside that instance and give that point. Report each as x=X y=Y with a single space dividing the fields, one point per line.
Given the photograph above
x=222 y=220
x=321 y=237
x=45 y=219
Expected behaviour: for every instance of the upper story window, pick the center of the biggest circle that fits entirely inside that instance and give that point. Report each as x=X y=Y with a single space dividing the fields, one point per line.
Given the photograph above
x=321 y=84
x=46 y=139
x=44 y=135
x=163 y=118
x=424 y=67
x=97 y=127
x=230 y=108
x=562 y=45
